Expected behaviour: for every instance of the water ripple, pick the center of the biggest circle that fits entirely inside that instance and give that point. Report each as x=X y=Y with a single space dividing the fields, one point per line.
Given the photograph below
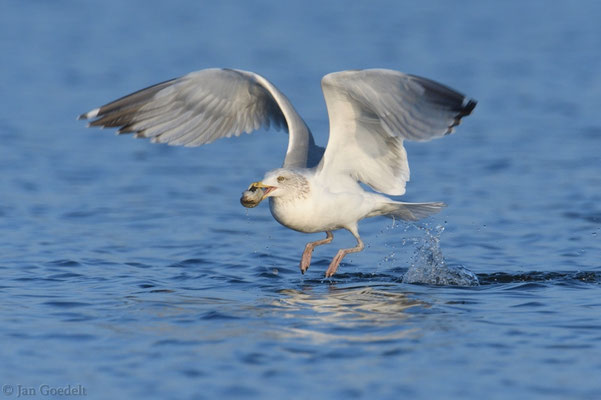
x=551 y=278
x=66 y=304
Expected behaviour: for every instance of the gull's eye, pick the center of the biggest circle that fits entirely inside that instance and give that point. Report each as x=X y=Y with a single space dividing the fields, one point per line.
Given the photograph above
x=281 y=179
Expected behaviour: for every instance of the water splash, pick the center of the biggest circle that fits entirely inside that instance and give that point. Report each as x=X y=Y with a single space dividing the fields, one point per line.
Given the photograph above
x=429 y=266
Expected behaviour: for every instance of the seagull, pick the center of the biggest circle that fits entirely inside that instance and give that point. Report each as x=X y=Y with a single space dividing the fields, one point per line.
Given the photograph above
x=371 y=113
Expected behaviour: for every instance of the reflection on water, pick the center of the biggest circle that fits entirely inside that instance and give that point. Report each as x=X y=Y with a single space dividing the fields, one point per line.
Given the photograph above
x=356 y=314
x=334 y=314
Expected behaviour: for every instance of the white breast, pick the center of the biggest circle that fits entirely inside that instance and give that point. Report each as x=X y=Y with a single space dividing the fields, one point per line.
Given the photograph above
x=317 y=213
x=295 y=214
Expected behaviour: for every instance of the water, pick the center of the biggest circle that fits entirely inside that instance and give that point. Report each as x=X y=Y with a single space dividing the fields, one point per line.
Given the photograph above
x=131 y=269
x=430 y=267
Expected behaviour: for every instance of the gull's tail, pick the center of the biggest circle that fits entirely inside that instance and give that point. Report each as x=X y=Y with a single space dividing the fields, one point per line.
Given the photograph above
x=410 y=211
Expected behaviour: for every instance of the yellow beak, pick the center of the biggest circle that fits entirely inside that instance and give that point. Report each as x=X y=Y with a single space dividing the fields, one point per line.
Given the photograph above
x=261 y=185
x=257 y=185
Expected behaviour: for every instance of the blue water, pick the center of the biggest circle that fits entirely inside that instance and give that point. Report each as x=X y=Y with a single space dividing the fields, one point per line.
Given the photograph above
x=131 y=270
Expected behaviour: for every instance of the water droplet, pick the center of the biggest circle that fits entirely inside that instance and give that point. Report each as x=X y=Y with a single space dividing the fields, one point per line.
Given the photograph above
x=429 y=266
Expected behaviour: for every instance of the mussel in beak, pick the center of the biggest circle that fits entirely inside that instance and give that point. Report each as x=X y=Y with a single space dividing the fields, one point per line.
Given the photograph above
x=252 y=196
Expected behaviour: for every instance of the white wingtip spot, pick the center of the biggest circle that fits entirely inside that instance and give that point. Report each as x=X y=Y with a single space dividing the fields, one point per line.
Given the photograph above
x=90 y=114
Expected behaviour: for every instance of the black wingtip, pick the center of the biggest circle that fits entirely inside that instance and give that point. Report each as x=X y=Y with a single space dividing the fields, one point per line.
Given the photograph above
x=468 y=108
x=465 y=111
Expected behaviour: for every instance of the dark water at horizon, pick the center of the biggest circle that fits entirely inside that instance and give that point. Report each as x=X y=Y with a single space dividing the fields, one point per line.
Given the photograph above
x=131 y=268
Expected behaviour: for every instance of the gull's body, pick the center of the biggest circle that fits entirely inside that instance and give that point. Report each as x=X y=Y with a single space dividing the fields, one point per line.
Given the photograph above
x=371 y=113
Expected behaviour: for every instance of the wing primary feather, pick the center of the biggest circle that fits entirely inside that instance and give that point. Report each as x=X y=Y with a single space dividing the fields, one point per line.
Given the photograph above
x=138 y=97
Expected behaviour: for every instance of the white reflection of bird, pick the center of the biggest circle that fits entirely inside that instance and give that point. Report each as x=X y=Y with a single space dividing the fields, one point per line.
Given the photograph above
x=371 y=113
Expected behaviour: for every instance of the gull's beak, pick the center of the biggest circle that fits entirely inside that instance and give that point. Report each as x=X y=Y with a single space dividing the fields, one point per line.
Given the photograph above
x=260 y=185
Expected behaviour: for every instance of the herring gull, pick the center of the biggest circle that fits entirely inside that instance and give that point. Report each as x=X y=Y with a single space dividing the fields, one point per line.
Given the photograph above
x=371 y=113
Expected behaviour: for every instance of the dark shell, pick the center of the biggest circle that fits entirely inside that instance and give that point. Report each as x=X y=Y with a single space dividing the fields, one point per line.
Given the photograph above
x=252 y=198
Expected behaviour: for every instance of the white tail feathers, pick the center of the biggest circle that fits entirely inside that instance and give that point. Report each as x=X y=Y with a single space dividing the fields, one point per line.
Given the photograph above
x=411 y=211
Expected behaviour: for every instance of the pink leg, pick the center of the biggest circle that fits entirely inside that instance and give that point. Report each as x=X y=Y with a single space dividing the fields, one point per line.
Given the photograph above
x=306 y=258
x=340 y=255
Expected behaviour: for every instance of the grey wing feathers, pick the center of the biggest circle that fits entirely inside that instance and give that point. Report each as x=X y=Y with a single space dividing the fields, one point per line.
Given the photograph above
x=408 y=106
x=195 y=109
x=445 y=98
x=114 y=113
x=372 y=112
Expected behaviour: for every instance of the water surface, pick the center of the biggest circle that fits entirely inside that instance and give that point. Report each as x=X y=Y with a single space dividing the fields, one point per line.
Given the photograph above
x=131 y=269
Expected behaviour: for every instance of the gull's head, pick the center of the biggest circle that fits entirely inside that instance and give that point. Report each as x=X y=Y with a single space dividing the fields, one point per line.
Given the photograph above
x=280 y=183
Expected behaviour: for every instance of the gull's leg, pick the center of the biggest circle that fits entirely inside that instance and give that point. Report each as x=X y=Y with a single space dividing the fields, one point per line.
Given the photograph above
x=306 y=258
x=343 y=252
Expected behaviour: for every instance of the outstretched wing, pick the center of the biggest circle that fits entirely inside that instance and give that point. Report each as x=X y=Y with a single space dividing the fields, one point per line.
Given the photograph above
x=206 y=105
x=371 y=113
